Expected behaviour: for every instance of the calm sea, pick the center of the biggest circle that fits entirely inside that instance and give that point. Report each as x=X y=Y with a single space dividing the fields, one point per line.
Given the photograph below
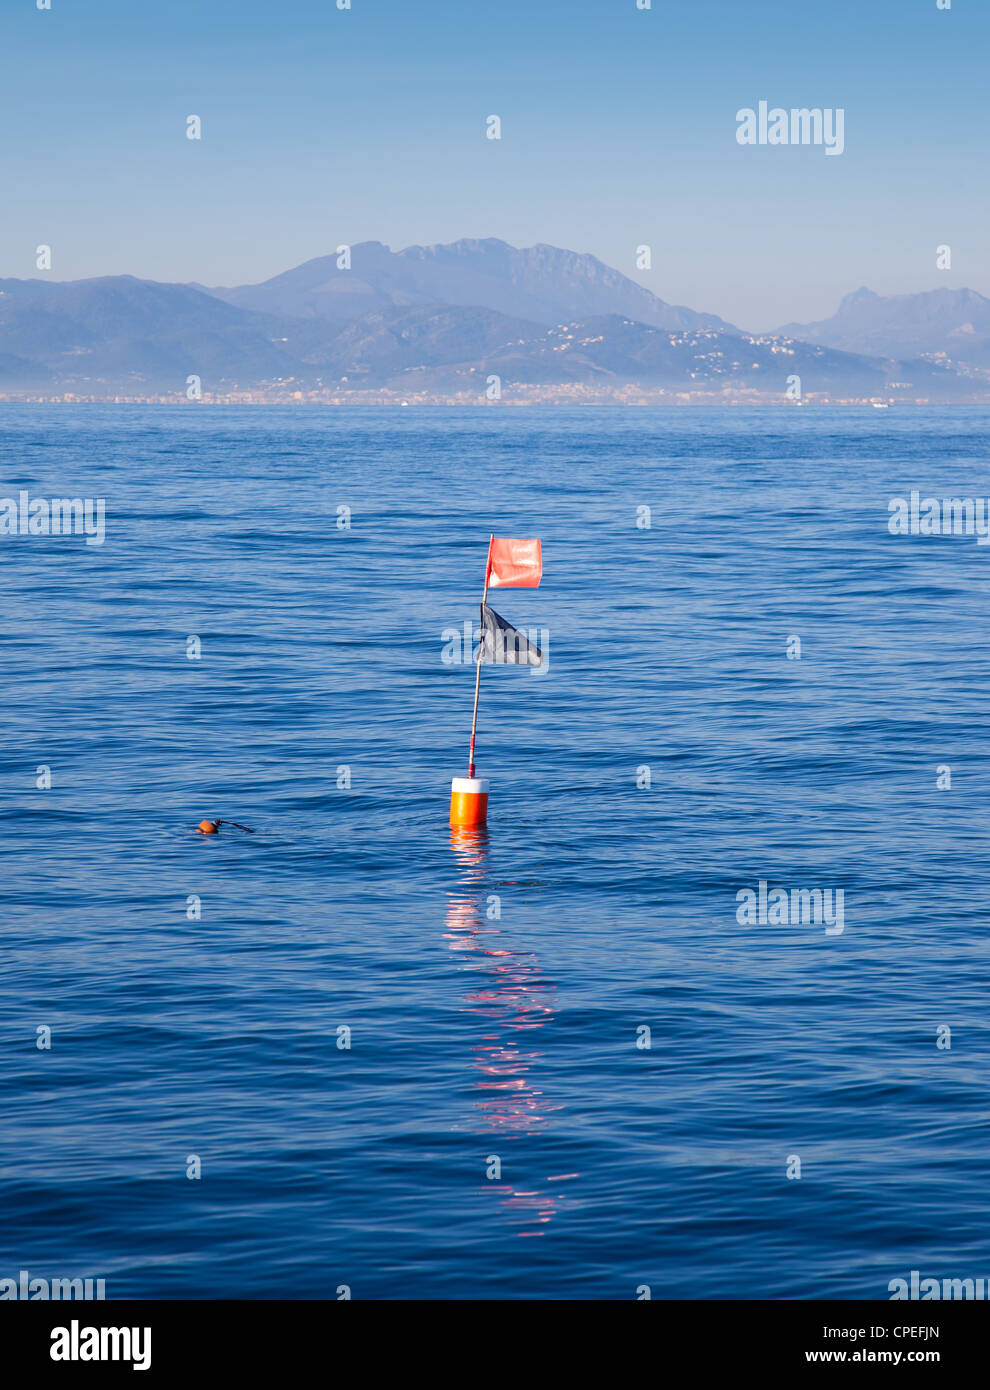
x=417 y=1067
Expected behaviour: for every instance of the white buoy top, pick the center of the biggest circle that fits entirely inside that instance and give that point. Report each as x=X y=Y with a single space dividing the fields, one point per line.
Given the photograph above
x=474 y=785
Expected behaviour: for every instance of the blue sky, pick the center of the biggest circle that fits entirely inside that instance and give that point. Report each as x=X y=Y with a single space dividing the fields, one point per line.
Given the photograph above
x=323 y=126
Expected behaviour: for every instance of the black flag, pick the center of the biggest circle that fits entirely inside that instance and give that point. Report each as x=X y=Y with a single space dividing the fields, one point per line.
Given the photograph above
x=505 y=644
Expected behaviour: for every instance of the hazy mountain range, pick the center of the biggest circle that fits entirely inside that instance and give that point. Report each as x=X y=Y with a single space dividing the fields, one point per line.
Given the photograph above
x=542 y=284
x=443 y=318
x=955 y=323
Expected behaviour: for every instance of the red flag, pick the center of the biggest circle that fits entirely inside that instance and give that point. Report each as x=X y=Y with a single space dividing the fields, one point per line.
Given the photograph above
x=515 y=564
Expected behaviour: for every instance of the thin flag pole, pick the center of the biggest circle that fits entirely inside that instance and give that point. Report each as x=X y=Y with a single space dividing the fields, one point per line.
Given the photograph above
x=477 y=678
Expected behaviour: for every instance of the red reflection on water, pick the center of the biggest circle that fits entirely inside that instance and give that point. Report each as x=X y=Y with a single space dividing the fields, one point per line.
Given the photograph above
x=512 y=1000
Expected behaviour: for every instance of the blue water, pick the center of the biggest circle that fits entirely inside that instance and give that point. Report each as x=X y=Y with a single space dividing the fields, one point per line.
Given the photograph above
x=473 y=1035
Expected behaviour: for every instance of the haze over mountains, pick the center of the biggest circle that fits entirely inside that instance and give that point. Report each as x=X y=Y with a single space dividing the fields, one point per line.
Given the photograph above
x=541 y=283
x=443 y=319
x=955 y=323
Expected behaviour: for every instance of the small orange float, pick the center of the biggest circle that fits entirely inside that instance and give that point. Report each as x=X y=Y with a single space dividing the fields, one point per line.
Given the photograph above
x=212 y=827
x=468 y=801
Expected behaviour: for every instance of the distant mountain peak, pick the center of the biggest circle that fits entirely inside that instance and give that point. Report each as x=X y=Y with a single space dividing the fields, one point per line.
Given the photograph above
x=541 y=283
x=952 y=323
x=860 y=296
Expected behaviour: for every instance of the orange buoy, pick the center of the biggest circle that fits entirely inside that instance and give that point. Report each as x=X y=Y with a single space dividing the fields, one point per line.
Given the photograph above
x=212 y=827
x=468 y=801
